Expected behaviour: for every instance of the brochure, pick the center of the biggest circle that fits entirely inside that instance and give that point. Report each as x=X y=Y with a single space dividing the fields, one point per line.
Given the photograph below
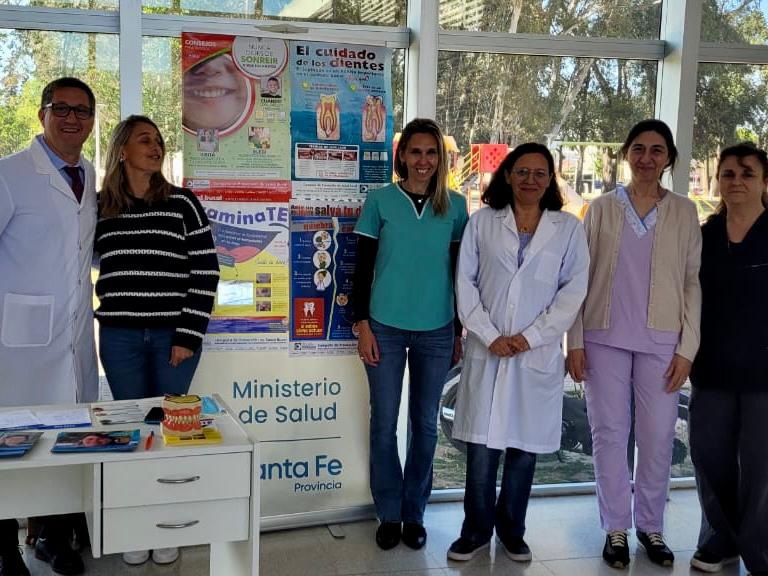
x=56 y=418
x=17 y=443
x=106 y=413
x=97 y=441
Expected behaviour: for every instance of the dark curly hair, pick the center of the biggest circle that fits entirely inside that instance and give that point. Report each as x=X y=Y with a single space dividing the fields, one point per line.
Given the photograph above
x=499 y=192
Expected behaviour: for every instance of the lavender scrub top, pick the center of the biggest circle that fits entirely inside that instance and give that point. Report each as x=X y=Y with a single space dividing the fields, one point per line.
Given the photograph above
x=628 y=328
x=525 y=239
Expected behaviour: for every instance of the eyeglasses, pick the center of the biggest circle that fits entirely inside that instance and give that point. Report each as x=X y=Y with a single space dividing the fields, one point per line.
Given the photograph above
x=62 y=110
x=538 y=175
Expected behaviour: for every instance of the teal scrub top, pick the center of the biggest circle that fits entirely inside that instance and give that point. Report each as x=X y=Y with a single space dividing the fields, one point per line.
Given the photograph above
x=413 y=283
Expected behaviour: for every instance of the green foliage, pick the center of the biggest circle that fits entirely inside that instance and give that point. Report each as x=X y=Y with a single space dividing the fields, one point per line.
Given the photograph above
x=32 y=59
x=511 y=99
x=731 y=98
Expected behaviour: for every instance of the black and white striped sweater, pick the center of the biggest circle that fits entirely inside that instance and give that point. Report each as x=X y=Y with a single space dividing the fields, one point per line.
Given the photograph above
x=158 y=268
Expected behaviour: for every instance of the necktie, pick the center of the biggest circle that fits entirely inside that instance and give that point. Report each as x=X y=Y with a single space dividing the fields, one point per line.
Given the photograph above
x=77 y=181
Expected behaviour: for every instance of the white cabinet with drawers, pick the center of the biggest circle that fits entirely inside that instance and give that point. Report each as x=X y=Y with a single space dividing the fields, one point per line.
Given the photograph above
x=162 y=497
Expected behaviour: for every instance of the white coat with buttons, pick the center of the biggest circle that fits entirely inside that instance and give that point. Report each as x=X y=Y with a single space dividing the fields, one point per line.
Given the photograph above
x=517 y=401
x=47 y=350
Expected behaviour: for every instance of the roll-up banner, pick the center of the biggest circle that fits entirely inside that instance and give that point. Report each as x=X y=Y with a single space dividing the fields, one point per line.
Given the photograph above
x=282 y=139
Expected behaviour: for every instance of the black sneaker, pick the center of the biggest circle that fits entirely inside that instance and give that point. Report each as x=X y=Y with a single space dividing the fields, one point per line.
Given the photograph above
x=657 y=550
x=706 y=561
x=516 y=549
x=60 y=556
x=12 y=564
x=616 y=549
x=465 y=549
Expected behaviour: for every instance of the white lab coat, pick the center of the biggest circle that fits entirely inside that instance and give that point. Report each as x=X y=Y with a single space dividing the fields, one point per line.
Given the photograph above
x=517 y=401
x=47 y=350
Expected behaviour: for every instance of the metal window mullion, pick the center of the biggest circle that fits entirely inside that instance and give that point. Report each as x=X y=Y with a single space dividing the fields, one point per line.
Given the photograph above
x=676 y=82
x=421 y=59
x=59 y=19
x=172 y=25
x=543 y=45
x=713 y=52
x=130 y=58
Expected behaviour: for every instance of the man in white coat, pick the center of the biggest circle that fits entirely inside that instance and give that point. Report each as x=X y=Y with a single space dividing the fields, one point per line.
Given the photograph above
x=47 y=223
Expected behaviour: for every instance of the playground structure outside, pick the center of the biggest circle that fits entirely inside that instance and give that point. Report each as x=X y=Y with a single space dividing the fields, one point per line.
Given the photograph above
x=576 y=162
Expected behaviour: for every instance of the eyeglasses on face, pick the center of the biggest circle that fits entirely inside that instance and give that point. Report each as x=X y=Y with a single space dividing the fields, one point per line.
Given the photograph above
x=538 y=175
x=62 y=110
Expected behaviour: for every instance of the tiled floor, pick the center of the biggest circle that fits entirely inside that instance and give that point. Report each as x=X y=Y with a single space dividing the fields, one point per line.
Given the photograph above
x=563 y=533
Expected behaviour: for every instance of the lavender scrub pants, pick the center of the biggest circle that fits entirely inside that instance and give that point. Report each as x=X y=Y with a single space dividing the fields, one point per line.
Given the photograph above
x=613 y=374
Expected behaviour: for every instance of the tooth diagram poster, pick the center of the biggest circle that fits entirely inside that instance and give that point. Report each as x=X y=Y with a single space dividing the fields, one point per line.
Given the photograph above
x=341 y=118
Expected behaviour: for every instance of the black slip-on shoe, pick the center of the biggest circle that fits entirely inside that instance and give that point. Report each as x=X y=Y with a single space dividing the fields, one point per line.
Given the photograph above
x=388 y=535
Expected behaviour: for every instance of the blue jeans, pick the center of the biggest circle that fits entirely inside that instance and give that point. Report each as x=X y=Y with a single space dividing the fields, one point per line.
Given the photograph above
x=136 y=362
x=481 y=509
x=401 y=495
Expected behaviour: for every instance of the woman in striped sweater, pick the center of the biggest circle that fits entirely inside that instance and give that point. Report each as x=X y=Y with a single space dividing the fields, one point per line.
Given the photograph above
x=158 y=272
x=157 y=278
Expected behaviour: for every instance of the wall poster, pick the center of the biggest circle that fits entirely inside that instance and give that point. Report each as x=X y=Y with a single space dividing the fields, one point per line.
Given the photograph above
x=282 y=139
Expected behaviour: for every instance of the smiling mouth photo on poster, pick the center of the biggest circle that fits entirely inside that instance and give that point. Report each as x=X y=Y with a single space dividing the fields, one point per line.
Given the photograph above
x=216 y=95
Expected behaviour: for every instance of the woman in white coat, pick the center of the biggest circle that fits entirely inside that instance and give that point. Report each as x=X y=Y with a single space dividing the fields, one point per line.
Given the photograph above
x=521 y=278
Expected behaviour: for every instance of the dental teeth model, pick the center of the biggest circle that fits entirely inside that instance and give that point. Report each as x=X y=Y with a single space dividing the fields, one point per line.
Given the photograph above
x=182 y=416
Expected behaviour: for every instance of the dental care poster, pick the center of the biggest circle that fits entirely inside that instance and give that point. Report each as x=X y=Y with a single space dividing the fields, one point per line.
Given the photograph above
x=323 y=255
x=251 y=308
x=341 y=117
x=235 y=117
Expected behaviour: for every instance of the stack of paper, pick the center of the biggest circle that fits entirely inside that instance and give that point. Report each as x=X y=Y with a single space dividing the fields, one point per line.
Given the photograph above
x=62 y=418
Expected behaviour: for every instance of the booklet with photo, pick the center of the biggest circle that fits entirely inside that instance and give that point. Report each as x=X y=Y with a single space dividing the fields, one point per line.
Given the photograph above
x=97 y=441
x=17 y=443
x=108 y=413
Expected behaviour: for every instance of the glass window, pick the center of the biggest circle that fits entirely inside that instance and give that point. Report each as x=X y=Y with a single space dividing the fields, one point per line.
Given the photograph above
x=161 y=97
x=731 y=107
x=33 y=58
x=582 y=108
x=86 y=4
x=584 y=18
x=736 y=22
x=371 y=12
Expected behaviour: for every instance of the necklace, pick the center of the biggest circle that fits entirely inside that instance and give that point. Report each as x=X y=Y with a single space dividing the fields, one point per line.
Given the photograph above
x=415 y=197
x=528 y=228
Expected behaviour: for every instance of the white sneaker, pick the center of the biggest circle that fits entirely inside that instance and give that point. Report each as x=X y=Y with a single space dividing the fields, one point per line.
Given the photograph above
x=165 y=555
x=136 y=558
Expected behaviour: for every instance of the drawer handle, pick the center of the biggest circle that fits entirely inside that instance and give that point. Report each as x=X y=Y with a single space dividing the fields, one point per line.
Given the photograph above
x=176 y=526
x=178 y=480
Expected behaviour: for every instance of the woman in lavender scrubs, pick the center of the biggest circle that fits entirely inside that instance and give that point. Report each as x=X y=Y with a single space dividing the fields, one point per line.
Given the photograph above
x=637 y=334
